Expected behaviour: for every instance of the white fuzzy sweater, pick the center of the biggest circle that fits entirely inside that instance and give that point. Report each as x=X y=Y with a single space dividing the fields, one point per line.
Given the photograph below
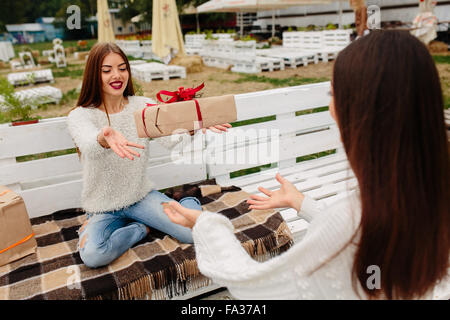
x=221 y=257
x=110 y=182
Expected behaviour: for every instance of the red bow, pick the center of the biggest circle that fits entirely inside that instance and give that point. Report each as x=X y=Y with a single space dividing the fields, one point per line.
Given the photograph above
x=181 y=95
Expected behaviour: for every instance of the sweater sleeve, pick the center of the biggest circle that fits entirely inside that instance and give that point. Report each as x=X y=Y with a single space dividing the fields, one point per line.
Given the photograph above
x=84 y=134
x=310 y=209
x=221 y=257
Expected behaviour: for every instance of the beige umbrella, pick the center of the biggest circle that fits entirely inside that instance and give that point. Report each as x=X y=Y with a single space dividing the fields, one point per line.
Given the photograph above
x=105 y=29
x=167 y=39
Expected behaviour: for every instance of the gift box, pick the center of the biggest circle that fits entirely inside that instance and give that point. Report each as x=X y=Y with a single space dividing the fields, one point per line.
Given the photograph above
x=183 y=112
x=16 y=235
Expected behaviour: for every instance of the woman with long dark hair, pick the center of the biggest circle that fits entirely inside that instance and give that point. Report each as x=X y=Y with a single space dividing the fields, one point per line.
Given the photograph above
x=390 y=238
x=117 y=195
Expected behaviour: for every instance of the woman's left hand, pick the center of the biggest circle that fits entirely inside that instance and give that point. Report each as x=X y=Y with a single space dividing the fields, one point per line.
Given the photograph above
x=181 y=215
x=218 y=128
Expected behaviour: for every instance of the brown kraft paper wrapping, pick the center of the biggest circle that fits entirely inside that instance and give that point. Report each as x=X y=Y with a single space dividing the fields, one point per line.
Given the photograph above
x=16 y=235
x=167 y=119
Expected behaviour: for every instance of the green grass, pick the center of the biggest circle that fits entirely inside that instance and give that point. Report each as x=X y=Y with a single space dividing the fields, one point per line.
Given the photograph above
x=252 y=121
x=441 y=59
x=49 y=45
x=278 y=82
x=244 y=172
x=45 y=155
x=315 y=155
x=72 y=70
x=446 y=102
x=313 y=110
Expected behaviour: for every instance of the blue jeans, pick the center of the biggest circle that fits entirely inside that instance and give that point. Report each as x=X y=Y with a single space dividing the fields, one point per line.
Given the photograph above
x=106 y=236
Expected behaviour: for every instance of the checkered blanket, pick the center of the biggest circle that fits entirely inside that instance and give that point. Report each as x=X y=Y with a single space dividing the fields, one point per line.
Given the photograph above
x=158 y=267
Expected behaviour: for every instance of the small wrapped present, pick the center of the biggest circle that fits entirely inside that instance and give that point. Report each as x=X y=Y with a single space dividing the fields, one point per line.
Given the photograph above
x=183 y=112
x=16 y=236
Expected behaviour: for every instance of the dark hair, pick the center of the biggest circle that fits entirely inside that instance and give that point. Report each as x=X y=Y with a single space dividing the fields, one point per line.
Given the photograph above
x=389 y=109
x=91 y=94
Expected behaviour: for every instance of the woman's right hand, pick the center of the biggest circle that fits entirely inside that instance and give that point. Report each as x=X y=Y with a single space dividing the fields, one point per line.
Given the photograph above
x=286 y=196
x=108 y=137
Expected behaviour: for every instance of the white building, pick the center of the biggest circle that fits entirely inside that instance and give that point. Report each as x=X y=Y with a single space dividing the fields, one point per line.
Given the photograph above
x=321 y=15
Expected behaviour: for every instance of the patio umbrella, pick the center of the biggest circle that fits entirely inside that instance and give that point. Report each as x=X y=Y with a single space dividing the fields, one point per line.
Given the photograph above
x=253 y=6
x=105 y=29
x=167 y=39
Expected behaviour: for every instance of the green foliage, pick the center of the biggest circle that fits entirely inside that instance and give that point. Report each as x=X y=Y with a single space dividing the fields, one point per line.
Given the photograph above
x=14 y=108
x=247 y=38
x=73 y=71
x=330 y=26
x=69 y=96
x=138 y=89
x=278 y=82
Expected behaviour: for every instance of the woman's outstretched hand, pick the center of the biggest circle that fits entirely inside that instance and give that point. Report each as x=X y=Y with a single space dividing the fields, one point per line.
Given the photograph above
x=181 y=215
x=286 y=196
x=108 y=137
x=218 y=128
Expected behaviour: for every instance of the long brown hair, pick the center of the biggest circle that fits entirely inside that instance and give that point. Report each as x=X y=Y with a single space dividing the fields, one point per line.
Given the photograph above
x=389 y=109
x=91 y=94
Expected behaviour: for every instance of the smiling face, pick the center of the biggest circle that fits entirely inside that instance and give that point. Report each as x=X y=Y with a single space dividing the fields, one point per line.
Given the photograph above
x=115 y=75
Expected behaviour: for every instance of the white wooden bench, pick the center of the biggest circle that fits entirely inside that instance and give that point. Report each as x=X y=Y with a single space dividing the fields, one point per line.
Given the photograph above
x=52 y=184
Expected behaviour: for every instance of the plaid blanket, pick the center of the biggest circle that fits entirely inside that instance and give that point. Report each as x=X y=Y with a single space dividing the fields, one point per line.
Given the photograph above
x=158 y=267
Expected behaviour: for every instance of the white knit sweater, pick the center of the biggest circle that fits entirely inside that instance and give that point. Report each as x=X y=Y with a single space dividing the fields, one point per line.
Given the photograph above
x=221 y=257
x=110 y=182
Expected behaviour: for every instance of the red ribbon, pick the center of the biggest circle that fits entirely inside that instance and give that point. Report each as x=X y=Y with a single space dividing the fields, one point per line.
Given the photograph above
x=181 y=95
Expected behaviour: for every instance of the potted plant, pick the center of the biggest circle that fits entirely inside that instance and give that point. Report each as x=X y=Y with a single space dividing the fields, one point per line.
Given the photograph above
x=17 y=111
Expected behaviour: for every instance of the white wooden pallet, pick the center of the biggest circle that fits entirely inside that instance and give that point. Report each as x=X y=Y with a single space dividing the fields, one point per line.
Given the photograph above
x=37 y=96
x=152 y=71
x=292 y=57
x=31 y=77
x=260 y=64
x=131 y=47
x=326 y=44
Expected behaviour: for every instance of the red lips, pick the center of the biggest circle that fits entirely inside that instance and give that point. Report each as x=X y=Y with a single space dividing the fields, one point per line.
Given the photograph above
x=116 y=85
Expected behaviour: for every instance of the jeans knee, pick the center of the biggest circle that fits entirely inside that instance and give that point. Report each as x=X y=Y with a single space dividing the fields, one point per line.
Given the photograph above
x=93 y=256
x=185 y=237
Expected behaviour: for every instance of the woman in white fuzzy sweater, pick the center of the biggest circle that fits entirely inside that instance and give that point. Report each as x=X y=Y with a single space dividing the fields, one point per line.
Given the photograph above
x=117 y=194
x=391 y=238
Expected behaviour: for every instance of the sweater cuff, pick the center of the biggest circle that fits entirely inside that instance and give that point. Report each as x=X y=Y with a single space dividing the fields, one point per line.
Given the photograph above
x=205 y=219
x=310 y=209
x=93 y=149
